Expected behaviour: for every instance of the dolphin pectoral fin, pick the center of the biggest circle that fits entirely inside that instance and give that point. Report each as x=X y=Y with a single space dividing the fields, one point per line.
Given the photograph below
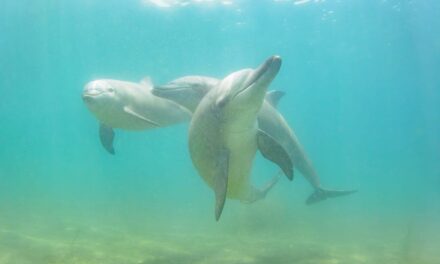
x=106 y=136
x=221 y=182
x=274 y=152
x=321 y=194
x=259 y=194
x=139 y=116
x=273 y=97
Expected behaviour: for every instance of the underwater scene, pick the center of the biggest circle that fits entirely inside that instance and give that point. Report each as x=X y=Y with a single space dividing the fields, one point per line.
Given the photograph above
x=234 y=131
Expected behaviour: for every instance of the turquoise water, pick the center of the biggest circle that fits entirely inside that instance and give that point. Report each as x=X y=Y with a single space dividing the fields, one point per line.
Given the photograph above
x=362 y=93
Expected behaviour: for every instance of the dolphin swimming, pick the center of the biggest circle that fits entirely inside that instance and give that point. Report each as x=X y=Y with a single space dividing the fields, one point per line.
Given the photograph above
x=223 y=133
x=129 y=106
x=273 y=123
x=189 y=91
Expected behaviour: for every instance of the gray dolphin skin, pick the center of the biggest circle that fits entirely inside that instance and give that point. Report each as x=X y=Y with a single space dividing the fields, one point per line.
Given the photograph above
x=187 y=91
x=273 y=123
x=129 y=106
x=270 y=122
x=223 y=133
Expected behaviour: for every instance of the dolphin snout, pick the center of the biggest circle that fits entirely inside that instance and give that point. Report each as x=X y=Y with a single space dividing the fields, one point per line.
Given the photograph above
x=266 y=71
x=272 y=64
x=89 y=94
x=86 y=97
x=92 y=92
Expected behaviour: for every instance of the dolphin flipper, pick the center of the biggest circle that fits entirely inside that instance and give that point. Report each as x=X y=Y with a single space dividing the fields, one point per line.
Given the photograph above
x=106 y=135
x=139 y=116
x=275 y=152
x=321 y=194
x=221 y=182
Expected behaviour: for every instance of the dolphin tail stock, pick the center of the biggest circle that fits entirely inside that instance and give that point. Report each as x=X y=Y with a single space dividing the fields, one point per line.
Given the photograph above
x=321 y=194
x=256 y=194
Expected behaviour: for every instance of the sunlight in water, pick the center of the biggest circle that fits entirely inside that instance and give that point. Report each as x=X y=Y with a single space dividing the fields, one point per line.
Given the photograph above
x=182 y=3
x=173 y=3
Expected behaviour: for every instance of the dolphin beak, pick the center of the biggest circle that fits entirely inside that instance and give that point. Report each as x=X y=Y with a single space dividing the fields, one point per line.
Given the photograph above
x=87 y=98
x=89 y=94
x=266 y=72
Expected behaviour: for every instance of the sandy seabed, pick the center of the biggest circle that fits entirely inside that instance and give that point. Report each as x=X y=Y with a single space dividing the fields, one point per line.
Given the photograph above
x=81 y=244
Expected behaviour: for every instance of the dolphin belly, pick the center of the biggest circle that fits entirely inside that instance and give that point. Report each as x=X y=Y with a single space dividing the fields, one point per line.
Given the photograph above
x=242 y=149
x=209 y=140
x=123 y=120
x=223 y=134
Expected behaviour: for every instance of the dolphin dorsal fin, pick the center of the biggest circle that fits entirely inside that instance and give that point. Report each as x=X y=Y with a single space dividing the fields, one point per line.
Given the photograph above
x=146 y=81
x=273 y=97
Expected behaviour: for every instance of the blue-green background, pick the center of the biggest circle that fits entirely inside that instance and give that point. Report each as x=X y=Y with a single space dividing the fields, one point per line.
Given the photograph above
x=362 y=90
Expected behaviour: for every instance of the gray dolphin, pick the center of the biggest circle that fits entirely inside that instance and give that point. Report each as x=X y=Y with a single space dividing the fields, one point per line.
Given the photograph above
x=129 y=106
x=273 y=123
x=189 y=90
x=223 y=133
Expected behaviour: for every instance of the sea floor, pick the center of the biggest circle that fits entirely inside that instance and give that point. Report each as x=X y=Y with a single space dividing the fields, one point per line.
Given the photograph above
x=80 y=243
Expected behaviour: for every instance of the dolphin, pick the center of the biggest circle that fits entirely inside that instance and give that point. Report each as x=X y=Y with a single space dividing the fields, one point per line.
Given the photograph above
x=280 y=137
x=187 y=91
x=129 y=106
x=223 y=133
x=273 y=123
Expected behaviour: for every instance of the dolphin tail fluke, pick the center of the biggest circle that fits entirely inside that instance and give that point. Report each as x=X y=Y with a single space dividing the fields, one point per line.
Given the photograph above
x=268 y=186
x=321 y=194
x=259 y=194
